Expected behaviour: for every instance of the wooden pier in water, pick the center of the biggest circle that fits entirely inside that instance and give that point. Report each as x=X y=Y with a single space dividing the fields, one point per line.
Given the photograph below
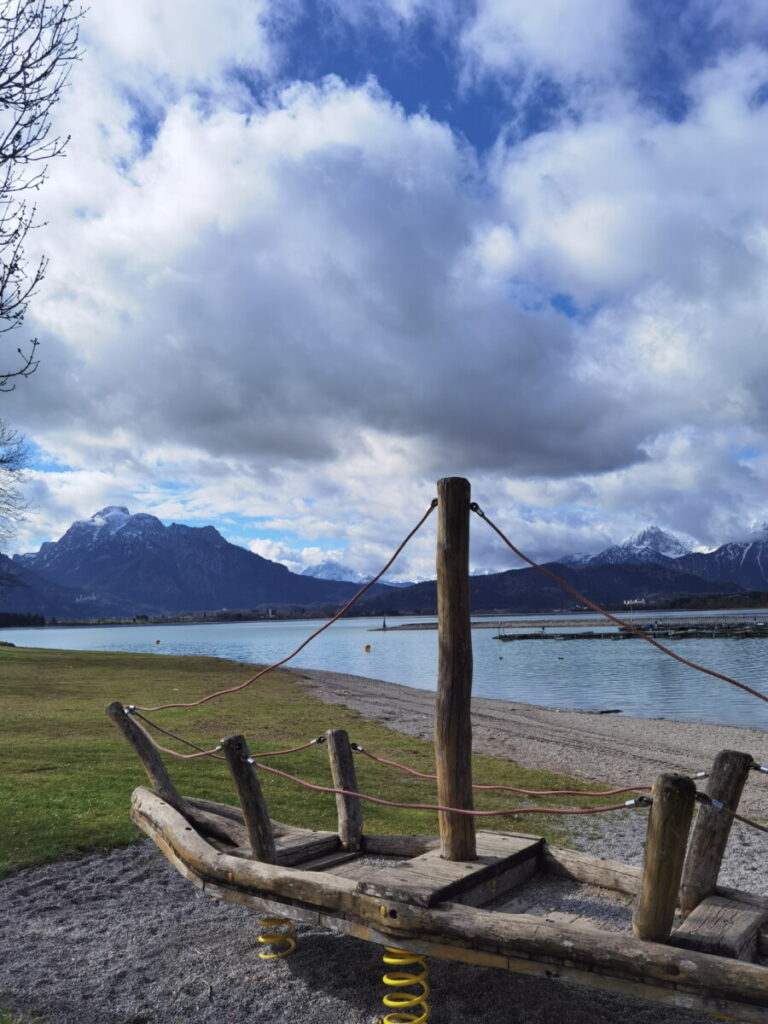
x=463 y=894
x=722 y=628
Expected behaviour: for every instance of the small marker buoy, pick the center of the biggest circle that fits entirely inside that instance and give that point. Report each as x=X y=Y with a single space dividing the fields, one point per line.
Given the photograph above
x=157 y=641
x=367 y=648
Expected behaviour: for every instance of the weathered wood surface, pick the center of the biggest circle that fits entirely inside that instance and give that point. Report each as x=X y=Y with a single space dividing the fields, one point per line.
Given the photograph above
x=251 y=799
x=453 y=727
x=223 y=821
x=147 y=753
x=584 y=867
x=348 y=808
x=516 y=942
x=171 y=831
x=761 y=902
x=297 y=849
x=337 y=861
x=712 y=828
x=279 y=828
x=431 y=879
x=721 y=926
x=528 y=906
x=577 y=945
x=668 y=823
x=398 y=846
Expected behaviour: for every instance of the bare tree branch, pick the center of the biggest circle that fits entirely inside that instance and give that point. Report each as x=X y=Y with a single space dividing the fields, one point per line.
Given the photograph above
x=39 y=41
x=14 y=456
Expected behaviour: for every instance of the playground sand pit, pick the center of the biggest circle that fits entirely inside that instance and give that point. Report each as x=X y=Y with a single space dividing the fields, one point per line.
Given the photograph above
x=122 y=938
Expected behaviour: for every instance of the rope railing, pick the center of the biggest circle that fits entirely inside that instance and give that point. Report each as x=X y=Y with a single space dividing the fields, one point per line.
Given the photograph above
x=641 y=801
x=430 y=777
x=510 y=789
x=705 y=798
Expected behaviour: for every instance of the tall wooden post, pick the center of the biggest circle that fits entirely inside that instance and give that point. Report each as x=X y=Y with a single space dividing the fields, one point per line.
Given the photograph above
x=713 y=826
x=348 y=808
x=453 y=725
x=668 y=824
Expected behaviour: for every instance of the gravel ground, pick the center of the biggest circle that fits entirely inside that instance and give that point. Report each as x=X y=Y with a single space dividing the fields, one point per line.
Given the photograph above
x=123 y=939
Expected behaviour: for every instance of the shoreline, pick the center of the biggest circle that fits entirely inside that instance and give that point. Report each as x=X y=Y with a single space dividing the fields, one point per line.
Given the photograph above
x=609 y=748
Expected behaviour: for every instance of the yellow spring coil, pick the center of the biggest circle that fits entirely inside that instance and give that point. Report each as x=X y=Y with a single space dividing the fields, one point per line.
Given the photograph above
x=272 y=938
x=402 y=1002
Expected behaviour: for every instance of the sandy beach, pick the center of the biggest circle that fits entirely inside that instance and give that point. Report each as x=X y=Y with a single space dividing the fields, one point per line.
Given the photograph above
x=606 y=747
x=121 y=938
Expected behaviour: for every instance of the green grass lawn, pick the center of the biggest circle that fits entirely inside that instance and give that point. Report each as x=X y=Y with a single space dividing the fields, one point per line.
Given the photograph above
x=66 y=773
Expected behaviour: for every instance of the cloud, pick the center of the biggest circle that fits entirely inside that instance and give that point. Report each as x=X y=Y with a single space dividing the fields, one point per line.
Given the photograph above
x=317 y=251
x=565 y=41
x=295 y=301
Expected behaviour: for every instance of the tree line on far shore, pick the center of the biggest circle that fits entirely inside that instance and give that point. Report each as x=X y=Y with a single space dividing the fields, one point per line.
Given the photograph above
x=8 y=619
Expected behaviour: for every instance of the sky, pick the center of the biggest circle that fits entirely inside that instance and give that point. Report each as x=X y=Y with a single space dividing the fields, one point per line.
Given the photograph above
x=309 y=256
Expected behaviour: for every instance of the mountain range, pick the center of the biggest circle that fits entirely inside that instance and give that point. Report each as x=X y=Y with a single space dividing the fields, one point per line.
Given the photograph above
x=118 y=565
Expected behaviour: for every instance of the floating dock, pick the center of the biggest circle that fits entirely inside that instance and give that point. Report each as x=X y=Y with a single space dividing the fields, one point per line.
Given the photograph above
x=726 y=628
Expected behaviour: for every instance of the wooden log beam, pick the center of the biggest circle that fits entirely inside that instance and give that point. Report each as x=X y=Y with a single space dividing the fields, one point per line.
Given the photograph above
x=180 y=843
x=519 y=942
x=148 y=754
x=591 y=870
x=453 y=728
x=348 y=808
x=251 y=799
x=668 y=824
x=713 y=827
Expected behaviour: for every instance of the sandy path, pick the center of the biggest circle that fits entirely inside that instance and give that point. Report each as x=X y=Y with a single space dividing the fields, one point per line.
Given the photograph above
x=608 y=748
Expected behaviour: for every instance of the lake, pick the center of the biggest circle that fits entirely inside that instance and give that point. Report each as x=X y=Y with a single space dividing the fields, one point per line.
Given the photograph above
x=588 y=675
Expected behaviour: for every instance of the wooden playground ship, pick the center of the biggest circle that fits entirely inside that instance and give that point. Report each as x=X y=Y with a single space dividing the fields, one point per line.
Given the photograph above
x=462 y=895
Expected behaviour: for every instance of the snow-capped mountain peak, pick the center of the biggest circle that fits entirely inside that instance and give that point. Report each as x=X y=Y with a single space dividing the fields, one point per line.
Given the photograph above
x=331 y=570
x=113 y=517
x=654 y=541
x=651 y=544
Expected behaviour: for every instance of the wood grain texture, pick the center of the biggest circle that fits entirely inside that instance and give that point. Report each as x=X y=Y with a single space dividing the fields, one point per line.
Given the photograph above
x=669 y=821
x=585 y=867
x=348 y=808
x=721 y=926
x=147 y=753
x=453 y=728
x=709 y=837
x=430 y=878
x=251 y=799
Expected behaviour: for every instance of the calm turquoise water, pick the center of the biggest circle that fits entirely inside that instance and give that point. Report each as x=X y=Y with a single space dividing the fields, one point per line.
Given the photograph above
x=587 y=674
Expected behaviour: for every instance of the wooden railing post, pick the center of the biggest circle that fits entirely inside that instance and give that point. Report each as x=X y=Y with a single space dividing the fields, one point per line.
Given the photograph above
x=349 y=808
x=669 y=821
x=713 y=826
x=251 y=799
x=453 y=726
x=148 y=754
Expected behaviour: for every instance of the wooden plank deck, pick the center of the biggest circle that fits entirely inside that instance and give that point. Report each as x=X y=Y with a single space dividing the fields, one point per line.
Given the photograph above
x=429 y=879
